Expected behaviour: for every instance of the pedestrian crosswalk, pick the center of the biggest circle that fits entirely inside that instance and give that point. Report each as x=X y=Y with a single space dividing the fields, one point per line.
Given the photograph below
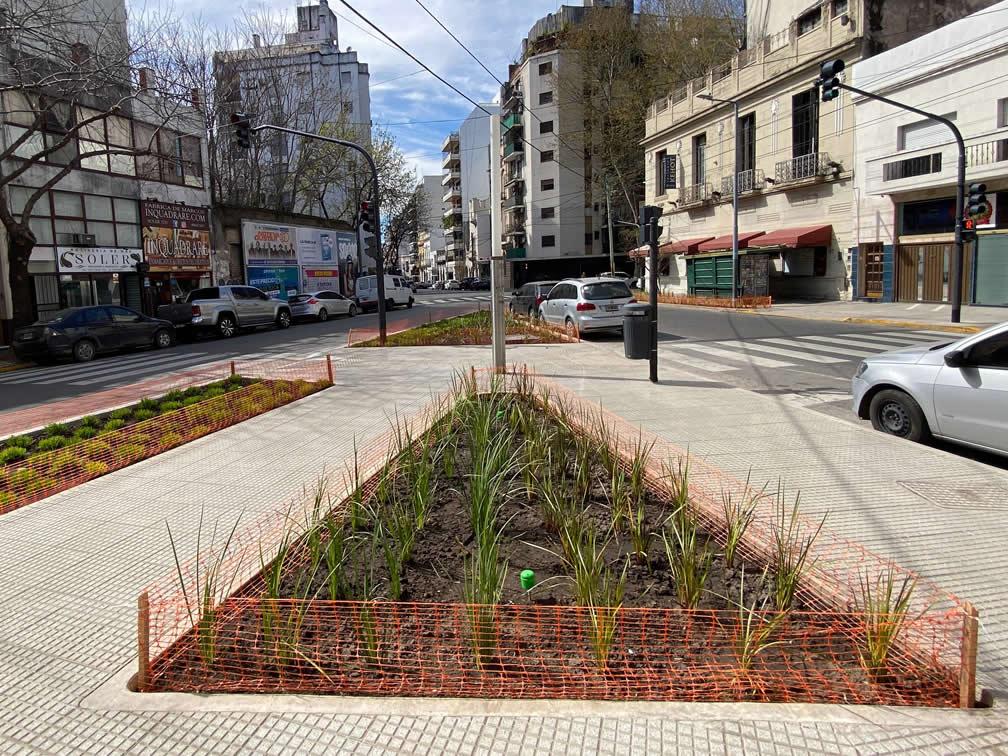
x=802 y=352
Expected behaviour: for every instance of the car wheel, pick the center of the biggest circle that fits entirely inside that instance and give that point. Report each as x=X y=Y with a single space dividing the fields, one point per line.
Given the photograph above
x=283 y=319
x=226 y=326
x=84 y=350
x=896 y=413
x=352 y=311
x=570 y=328
x=323 y=315
x=409 y=305
x=162 y=338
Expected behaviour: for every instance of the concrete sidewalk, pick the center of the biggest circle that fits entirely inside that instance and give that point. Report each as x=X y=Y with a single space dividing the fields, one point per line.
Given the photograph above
x=895 y=313
x=71 y=568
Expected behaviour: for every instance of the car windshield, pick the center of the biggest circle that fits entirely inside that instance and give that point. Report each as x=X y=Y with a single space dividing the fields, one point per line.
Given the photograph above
x=55 y=316
x=606 y=290
x=300 y=298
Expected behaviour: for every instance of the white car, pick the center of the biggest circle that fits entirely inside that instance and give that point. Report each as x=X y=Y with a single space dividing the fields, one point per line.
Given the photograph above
x=452 y=284
x=956 y=391
x=321 y=304
x=397 y=292
x=587 y=304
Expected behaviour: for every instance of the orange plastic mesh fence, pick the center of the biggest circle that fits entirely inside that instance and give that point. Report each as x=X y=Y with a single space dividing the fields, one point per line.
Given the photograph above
x=44 y=474
x=547 y=650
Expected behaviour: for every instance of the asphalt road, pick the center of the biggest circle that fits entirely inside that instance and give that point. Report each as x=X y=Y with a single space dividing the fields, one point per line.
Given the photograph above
x=304 y=340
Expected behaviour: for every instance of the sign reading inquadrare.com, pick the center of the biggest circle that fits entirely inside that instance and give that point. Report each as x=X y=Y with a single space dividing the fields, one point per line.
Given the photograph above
x=175 y=237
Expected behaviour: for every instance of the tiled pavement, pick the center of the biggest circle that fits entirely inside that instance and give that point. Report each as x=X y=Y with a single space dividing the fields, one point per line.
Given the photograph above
x=71 y=568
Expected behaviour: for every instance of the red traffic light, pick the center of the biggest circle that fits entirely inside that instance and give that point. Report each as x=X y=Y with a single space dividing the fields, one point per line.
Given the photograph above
x=969 y=224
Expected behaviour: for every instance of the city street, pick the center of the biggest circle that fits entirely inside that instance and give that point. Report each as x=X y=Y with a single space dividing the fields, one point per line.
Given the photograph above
x=304 y=340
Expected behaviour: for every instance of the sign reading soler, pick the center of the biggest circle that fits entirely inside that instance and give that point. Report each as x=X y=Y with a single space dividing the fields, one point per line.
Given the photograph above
x=98 y=259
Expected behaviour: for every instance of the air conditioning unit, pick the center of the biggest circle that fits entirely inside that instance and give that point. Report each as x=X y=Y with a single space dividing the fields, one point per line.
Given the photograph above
x=82 y=240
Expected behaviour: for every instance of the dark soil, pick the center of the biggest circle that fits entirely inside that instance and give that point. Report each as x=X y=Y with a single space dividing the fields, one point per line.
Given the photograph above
x=422 y=644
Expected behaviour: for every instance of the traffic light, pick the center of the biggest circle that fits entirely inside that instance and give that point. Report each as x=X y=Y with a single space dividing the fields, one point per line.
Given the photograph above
x=242 y=130
x=976 y=204
x=649 y=215
x=829 y=79
x=969 y=230
x=365 y=219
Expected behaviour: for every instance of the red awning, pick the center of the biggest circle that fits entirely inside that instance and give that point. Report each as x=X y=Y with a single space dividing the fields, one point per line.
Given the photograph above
x=725 y=242
x=683 y=246
x=639 y=251
x=806 y=236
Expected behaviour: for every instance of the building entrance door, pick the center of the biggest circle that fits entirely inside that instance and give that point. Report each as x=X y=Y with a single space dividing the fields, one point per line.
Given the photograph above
x=924 y=272
x=871 y=270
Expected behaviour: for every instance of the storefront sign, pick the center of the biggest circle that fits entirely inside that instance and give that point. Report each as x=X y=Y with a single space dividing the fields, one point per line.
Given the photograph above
x=268 y=244
x=175 y=237
x=279 y=281
x=98 y=259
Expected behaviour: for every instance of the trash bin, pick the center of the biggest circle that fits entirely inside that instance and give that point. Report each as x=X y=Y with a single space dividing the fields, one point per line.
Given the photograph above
x=636 y=331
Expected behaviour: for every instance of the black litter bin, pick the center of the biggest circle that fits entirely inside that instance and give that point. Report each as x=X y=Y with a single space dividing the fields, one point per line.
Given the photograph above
x=637 y=331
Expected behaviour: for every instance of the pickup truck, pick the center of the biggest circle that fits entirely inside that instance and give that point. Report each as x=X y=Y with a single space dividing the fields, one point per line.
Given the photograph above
x=225 y=309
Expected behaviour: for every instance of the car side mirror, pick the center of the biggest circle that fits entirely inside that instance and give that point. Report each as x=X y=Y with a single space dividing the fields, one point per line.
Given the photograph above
x=138 y=319
x=956 y=359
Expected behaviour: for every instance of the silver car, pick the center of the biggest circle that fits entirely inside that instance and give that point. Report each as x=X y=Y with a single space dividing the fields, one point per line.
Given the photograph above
x=320 y=305
x=956 y=391
x=587 y=304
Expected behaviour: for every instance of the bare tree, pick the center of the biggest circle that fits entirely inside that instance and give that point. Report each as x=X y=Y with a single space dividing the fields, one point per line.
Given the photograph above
x=75 y=78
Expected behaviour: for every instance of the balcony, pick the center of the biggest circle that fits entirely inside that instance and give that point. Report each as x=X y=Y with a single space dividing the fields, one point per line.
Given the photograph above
x=511 y=122
x=514 y=179
x=513 y=151
x=512 y=97
x=695 y=194
x=514 y=253
x=752 y=180
x=516 y=200
x=814 y=166
x=515 y=228
x=452 y=211
x=453 y=194
x=451 y=142
x=451 y=177
x=987 y=153
x=452 y=160
x=440 y=258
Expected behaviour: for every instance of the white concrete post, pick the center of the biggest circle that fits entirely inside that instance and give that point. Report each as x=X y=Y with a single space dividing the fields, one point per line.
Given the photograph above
x=496 y=249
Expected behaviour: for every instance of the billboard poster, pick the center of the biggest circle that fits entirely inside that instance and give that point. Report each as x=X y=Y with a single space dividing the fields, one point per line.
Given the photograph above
x=269 y=244
x=280 y=281
x=320 y=279
x=175 y=237
x=323 y=248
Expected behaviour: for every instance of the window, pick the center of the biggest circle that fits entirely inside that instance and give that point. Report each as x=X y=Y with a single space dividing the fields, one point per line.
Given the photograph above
x=747 y=142
x=809 y=21
x=121 y=314
x=700 y=158
x=596 y=234
x=95 y=316
x=839 y=7
x=548 y=212
x=546 y=185
x=665 y=172
x=346 y=77
x=922 y=134
x=545 y=98
x=992 y=352
x=549 y=241
x=804 y=123
x=546 y=68
x=546 y=156
x=546 y=127
x=588 y=238
x=606 y=290
x=1002 y=112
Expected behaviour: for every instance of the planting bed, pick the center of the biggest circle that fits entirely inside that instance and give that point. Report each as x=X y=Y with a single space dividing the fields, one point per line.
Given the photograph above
x=414 y=585
x=64 y=455
x=473 y=329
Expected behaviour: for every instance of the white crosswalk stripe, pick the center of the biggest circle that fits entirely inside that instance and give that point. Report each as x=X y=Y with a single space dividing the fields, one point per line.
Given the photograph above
x=759 y=346
x=862 y=347
x=97 y=373
x=708 y=349
x=835 y=346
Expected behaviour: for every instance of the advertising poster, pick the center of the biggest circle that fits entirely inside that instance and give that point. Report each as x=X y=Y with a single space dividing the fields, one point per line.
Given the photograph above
x=323 y=248
x=320 y=279
x=267 y=244
x=175 y=237
x=280 y=281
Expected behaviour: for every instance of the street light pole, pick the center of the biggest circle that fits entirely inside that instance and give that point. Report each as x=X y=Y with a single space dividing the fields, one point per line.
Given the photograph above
x=609 y=223
x=735 y=193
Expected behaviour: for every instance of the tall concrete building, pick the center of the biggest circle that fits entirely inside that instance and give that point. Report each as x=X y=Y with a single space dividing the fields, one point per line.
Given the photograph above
x=553 y=213
x=431 y=233
x=306 y=82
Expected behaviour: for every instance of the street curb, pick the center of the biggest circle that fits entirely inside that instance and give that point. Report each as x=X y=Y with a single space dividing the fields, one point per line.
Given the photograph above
x=17 y=366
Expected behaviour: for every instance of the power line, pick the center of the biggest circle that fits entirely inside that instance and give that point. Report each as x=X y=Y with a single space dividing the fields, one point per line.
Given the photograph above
x=471 y=55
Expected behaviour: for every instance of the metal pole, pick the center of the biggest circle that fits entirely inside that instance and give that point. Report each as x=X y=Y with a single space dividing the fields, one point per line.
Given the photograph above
x=608 y=209
x=653 y=296
x=955 y=295
x=379 y=262
x=496 y=257
x=734 y=233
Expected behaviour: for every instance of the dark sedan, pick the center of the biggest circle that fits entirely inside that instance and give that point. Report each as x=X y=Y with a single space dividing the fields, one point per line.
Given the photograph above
x=83 y=332
x=525 y=300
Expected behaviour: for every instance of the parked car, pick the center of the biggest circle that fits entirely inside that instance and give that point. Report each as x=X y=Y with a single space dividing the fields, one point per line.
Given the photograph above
x=226 y=309
x=525 y=300
x=321 y=304
x=397 y=292
x=423 y=284
x=955 y=390
x=587 y=304
x=453 y=285
x=437 y=285
x=481 y=284
x=83 y=332
x=616 y=274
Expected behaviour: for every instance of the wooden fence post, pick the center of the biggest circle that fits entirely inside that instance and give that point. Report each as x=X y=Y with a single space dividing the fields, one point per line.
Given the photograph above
x=143 y=642
x=232 y=368
x=967 y=665
x=328 y=361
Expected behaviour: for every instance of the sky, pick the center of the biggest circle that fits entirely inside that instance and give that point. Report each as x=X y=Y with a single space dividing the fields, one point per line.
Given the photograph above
x=399 y=94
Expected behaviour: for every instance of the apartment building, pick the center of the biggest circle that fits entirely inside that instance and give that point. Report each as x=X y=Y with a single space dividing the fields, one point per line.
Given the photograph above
x=431 y=233
x=906 y=166
x=552 y=218
x=790 y=155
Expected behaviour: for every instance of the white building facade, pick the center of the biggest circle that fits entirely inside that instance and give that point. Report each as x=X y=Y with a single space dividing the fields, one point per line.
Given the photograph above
x=431 y=233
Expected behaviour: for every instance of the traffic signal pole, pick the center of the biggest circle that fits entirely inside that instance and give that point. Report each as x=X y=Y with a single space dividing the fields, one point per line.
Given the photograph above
x=375 y=209
x=955 y=295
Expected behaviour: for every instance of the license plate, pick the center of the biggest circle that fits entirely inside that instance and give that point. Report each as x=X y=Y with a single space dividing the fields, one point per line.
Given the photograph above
x=611 y=308
x=27 y=336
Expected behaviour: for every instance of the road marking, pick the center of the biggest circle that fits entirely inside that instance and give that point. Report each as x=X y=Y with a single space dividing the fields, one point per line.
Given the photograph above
x=164 y=364
x=695 y=362
x=86 y=368
x=831 y=346
x=759 y=346
x=730 y=355
x=939 y=308
x=901 y=337
x=866 y=347
x=914 y=306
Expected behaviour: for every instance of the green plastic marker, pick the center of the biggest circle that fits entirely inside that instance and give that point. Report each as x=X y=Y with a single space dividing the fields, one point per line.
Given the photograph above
x=527 y=579
x=500 y=414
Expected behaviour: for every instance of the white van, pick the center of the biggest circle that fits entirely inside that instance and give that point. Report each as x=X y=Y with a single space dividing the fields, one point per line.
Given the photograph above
x=397 y=292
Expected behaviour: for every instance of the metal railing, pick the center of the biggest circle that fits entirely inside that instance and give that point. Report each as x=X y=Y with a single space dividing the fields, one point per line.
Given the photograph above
x=695 y=194
x=802 y=167
x=515 y=200
x=748 y=181
x=987 y=153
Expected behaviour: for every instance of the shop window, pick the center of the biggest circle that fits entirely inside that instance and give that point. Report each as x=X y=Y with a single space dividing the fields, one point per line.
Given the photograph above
x=104 y=233
x=126 y=210
x=97 y=208
x=42 y=228
x=67 y=205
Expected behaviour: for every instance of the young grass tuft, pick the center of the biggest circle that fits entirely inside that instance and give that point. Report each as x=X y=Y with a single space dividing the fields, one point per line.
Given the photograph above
x=792 y=550
x=755 y=628
x=738 y=516
x=689 y=559
x=884 y=605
